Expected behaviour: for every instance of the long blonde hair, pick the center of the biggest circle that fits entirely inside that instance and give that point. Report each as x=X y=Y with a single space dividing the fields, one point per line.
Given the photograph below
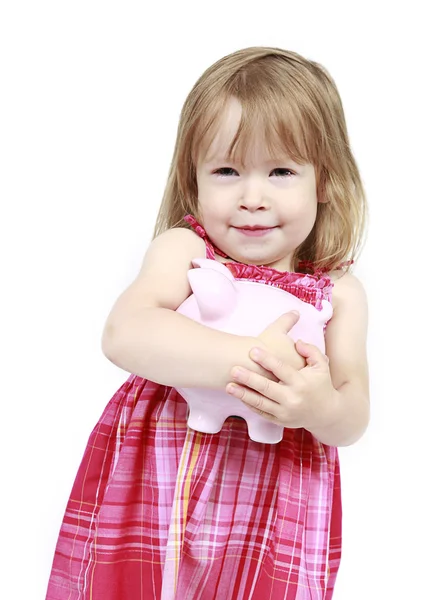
x=295 y=104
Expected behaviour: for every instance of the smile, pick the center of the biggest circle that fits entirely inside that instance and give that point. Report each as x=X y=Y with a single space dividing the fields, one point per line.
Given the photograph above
x=255 y=231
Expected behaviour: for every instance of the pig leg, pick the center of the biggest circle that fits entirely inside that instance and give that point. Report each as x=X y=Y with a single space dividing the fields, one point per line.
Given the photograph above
x=210 y=421
x=260 y=430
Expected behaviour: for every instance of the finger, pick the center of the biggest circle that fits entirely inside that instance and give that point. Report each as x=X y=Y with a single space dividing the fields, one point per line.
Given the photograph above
x=313 y=355
x=285 y=322
x=259 y=404
x=282 y=371
x=254 y=381
x=263 y=414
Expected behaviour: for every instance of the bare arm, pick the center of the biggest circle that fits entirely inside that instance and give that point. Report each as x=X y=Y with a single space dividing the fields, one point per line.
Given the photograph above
x=346 y=348
x=144 y=335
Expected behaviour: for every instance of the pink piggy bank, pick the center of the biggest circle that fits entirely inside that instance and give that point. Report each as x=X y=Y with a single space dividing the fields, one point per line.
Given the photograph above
x=244 y=308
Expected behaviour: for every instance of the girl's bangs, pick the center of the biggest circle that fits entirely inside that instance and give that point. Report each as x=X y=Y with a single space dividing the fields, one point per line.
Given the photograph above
x=271 y=122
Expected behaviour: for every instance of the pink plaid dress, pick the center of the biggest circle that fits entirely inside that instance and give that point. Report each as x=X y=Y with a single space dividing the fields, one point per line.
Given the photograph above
x=161 y=512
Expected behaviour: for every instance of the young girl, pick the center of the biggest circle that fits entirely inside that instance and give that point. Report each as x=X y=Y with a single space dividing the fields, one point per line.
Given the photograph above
x=262 y=179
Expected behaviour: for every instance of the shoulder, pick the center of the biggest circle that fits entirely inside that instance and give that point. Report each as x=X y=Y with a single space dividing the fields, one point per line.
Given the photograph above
x=174 y=246
x=347 y=290
x=172 y=251
x=179 y=237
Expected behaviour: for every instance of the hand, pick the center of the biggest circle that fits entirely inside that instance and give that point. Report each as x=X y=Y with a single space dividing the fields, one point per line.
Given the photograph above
x=301 y=397
x=275 y=339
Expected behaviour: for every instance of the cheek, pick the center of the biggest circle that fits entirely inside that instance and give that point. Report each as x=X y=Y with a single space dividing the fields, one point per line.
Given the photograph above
x=302 y=212
x=308 y=219
x=206 y=194
x=212 y=202
x=312 y=212
x=209 y=213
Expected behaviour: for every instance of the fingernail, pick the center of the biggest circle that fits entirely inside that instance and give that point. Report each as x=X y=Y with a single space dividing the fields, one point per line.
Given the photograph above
x=237 y=373
x=233 y=389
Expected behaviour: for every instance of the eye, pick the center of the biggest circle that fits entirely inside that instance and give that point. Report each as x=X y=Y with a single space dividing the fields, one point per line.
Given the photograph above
x=224 y=171
x=284 y=173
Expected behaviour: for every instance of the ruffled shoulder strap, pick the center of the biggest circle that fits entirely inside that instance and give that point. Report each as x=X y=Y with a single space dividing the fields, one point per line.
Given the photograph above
x=211 y=249
x=309 y=267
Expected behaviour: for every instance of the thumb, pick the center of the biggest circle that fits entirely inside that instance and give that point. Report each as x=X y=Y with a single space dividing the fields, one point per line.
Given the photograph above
x=314 y=357
x=285 y=322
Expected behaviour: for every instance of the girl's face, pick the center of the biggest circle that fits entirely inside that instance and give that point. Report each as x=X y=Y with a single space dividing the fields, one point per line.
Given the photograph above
x=258 y=215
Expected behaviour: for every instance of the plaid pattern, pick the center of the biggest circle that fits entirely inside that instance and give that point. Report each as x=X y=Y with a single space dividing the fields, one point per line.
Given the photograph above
x=161 y=512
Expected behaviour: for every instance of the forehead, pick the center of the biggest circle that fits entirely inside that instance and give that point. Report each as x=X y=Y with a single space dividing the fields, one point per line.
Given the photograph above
x=250 y=140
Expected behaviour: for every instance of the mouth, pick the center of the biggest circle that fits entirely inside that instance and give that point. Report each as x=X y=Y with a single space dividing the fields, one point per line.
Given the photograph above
x=255 y=230
x=254 y=227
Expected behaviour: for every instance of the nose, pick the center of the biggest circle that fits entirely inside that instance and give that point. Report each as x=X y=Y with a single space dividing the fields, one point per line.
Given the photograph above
x=253 y=197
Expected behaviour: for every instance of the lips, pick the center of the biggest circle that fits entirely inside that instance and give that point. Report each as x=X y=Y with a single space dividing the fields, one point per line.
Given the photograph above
x=255 y=227
x=255 y=230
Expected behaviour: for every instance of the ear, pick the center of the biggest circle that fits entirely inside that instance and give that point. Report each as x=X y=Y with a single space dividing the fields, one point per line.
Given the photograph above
x=322 y=195
x=214 y=289
x=215 y=265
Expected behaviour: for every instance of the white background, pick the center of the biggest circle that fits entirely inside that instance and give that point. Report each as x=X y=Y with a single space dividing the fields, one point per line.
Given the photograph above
x=90 y=99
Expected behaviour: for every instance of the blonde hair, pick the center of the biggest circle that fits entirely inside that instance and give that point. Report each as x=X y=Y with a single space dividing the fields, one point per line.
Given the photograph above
x=295 y=104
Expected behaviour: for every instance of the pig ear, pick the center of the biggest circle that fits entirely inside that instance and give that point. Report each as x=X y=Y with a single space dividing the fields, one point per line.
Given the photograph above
x=208 y=263
x=214 y=289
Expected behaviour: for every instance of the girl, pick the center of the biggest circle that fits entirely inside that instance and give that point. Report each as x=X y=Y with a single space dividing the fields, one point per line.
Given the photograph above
x=262 y=179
